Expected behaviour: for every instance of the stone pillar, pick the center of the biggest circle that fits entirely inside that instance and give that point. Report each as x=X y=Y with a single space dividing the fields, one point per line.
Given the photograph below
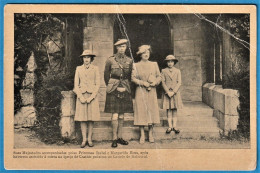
x=227 y=60
x=187 y=42
x=98 y=36
x=26 y=116
x=68 y=105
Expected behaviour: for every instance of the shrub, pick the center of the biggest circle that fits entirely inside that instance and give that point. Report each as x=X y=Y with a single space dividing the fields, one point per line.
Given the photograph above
x=48 y=100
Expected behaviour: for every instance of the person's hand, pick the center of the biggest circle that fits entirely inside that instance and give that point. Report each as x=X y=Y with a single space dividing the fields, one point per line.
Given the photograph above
x=153 y=84
x=170 y=93
x=82 y=99
x=88 y=100
x=146 y=84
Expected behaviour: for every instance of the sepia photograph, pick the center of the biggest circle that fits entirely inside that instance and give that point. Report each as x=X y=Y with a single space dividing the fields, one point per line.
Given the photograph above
x=121 y=84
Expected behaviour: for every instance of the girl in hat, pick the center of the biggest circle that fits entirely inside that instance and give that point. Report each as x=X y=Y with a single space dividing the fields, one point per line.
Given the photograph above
x=146 y=76
x=86 y=86
x=171 y=98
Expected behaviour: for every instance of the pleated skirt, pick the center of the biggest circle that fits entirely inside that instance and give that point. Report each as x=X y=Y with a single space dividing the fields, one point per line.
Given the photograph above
x=174 y=102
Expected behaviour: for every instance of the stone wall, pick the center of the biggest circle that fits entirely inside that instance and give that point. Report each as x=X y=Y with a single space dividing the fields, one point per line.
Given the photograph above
x=26 y=116
x=187 y=41
x=187 y=44
x=98 y=35
x=225 y=103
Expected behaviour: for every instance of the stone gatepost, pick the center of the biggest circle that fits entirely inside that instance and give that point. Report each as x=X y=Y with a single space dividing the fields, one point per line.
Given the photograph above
x=68 y=105
x=26 y=116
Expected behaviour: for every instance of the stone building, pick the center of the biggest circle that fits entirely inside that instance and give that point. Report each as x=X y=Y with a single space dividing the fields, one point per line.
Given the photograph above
x=204 y=52
x=206 y=56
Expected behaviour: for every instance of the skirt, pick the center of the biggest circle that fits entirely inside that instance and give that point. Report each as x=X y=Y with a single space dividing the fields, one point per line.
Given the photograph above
x=87 y=111
x=146 y=109
x=115 y=104
x=174 y=102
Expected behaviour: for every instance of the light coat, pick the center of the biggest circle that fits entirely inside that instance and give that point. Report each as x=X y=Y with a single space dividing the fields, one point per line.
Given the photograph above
x=146 y=109
x=171 y=81
x=87 y=80
x=86 y=84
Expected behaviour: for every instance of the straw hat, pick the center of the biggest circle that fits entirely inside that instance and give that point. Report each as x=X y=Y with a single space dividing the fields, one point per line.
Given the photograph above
x=143 y=48
x=87 y=53
x=171 y=58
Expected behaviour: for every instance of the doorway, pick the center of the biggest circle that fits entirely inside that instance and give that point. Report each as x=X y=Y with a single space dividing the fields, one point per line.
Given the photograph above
x=150 y=29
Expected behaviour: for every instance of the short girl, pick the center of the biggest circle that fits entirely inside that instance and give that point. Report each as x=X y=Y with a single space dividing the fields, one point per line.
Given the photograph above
x=86 y=86
x=171 y=98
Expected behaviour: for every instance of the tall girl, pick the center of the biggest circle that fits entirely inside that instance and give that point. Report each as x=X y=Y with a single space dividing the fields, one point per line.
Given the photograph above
x=86 y=86
x=171 y=98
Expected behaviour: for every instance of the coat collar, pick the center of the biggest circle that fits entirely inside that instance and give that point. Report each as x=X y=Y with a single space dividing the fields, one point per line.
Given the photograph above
x=171 y=74
x=90 y=66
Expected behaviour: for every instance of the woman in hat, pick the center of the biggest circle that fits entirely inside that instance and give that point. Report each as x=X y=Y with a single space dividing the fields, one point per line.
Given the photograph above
x=171 y=98
x=86 y=86
x=146 y=76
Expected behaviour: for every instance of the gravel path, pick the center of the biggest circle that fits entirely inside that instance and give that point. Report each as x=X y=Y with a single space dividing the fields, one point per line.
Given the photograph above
x=26 y=139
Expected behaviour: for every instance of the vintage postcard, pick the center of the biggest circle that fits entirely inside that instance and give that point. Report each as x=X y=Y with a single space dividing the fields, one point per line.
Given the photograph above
x=129 y=87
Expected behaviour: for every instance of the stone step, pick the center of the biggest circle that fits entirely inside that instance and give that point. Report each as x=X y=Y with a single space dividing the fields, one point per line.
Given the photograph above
x=183 y=121
x=190 y=109
x=194 y=121
x=132 y=133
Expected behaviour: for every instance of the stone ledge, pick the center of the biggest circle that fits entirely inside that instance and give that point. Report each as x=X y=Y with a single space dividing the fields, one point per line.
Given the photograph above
x=225 y=103
x=25 y=117
x=226 y=122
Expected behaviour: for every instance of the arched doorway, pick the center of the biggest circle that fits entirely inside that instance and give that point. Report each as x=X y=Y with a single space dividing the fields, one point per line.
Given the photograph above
x=151 y=29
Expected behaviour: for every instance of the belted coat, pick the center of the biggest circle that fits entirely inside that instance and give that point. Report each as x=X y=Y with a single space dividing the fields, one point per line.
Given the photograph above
x=86 y=84
x=171 y=81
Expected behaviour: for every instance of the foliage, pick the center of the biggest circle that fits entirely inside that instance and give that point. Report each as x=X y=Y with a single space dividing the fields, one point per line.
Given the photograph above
x=239 y=78
x=240 y=81
x=238 y=26
x=31 y=31
x=48 y=99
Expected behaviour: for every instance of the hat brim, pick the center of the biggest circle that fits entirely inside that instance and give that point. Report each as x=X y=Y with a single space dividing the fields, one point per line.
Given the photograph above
x=88 y=55
x=120 y=44
x=172 y=60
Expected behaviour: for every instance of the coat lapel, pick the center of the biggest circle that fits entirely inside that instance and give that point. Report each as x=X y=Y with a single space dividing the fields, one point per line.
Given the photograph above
x=83 y=70
x=171 y=74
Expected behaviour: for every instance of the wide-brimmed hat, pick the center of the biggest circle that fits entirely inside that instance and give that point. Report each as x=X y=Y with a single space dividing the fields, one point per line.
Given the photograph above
x=143 y=48
x=87 y=53
x=171 y=58
x=121 y=41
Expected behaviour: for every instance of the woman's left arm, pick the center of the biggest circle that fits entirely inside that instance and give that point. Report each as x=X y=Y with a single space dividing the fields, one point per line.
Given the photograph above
x=177 y=87
x=97 y=86
x=157 y=74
